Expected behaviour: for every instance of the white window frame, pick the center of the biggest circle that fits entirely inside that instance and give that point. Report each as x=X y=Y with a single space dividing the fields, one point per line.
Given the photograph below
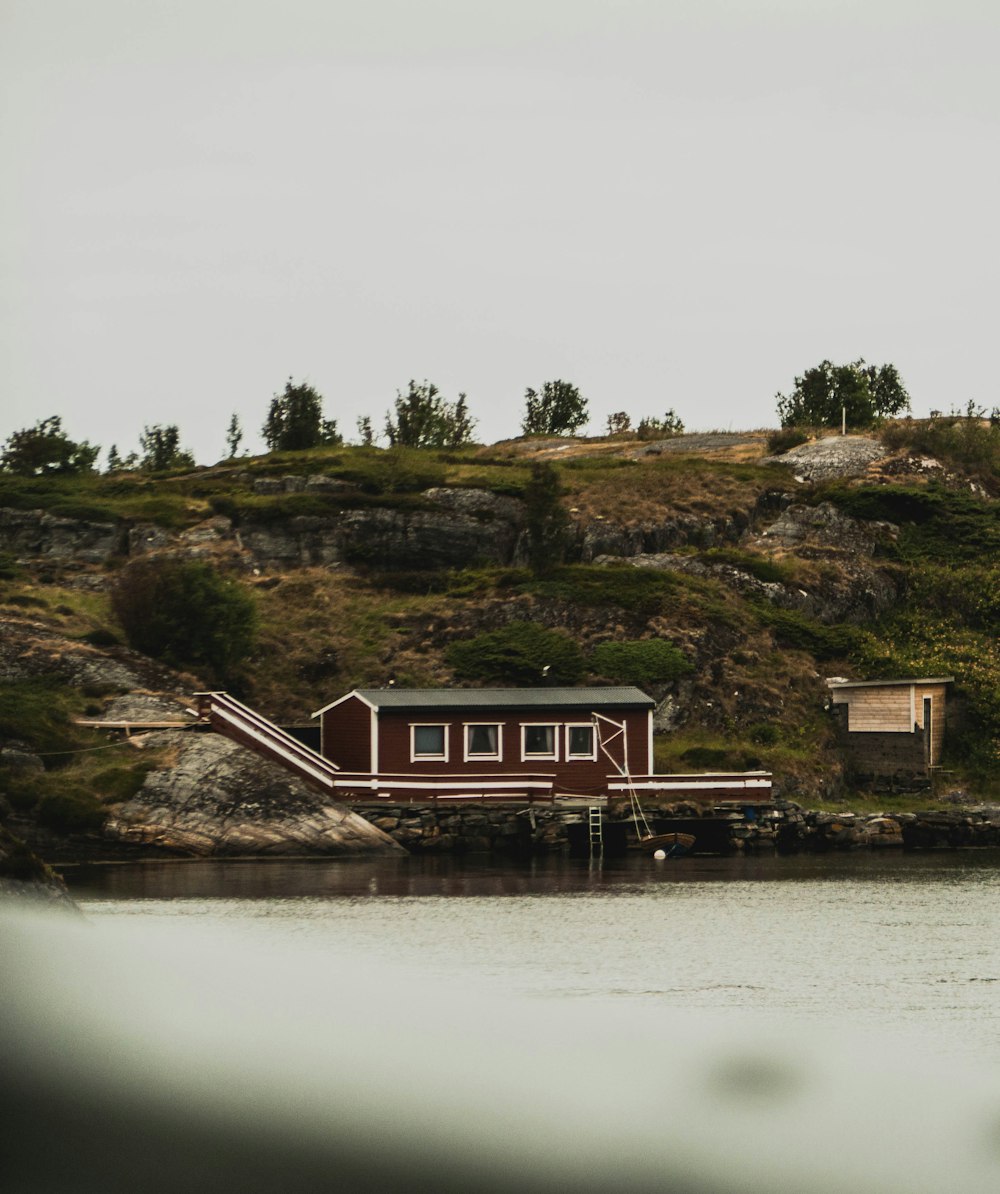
x=426 y=758
x=550 y=757
x=468 y=756
x=591 y=756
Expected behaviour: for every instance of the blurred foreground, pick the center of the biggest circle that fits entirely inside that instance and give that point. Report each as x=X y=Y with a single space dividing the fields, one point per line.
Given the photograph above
x=157 y=1059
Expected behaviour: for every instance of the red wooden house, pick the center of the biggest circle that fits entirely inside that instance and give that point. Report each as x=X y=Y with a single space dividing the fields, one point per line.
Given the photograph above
x=506 y=744
x=511 y=743
x=503 y=744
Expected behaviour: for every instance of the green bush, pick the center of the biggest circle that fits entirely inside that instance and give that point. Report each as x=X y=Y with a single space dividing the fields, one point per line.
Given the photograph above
x=936 y=523
x=37 y=712
x=707 y=757
x=24 y=789
x=71 y=810
x=184 y=612
x=645 y=661
x=9 y=567
x=517 y=654
x=116 y=784
x=794 y=630
x=637 y=590
x=785 y=439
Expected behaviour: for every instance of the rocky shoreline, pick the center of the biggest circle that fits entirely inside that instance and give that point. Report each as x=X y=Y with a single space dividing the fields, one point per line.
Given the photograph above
x=785 y=828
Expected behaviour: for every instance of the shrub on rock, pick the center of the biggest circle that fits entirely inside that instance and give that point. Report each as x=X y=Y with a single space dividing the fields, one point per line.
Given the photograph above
x=521 y=653
x=185 y=613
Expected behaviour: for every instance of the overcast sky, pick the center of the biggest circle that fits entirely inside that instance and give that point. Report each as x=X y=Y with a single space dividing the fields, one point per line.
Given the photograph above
x=671 y=204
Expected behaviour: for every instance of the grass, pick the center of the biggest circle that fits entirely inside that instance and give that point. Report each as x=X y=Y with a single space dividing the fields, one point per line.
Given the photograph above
x=642 y=591
x=646 y=491
x=702 y=749
x=323 y=633
x=75 y=797
x=81 y=614
x=98 y=498
x=39 y=713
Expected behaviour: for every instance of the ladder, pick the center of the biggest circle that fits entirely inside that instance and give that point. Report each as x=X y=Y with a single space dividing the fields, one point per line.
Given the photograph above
x=595 y=826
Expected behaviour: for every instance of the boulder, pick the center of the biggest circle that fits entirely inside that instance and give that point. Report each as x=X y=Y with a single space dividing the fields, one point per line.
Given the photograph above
x=833 y=456
x=219 y=798
x=824 y=526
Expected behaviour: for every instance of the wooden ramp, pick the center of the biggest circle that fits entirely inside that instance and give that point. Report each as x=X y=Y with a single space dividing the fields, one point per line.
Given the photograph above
x=226 y=715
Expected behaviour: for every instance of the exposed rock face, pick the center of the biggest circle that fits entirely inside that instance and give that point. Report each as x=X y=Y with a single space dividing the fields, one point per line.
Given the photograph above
x=481 y=503
x=34 y=533
x=148 y=707
x=472 y=526
x=597 y=539
x=31 y=649
x=734 y=577
x=222 y=799
x=315 y=483
x=835 y=456
x=801 y=528
x=855 y=591
x=426 y=539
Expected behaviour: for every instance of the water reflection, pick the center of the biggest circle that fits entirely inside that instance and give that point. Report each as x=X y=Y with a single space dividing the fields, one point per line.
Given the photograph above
x=483 y=876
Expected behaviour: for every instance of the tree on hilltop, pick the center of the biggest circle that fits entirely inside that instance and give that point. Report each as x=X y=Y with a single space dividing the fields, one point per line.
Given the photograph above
x=234 y=436
x=555 y=410
x=161 y=449
x=425 y=419
x=45 y=450
x=860 y=393
x=295 y=421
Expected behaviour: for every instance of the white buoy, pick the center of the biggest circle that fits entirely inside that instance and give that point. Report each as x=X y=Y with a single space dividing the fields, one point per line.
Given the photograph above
x=659 y=855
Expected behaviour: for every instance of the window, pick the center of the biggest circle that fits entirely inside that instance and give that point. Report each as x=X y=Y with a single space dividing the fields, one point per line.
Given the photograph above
x=538 y=742
x=428 y=742
x=580 y=742
x=483 y=742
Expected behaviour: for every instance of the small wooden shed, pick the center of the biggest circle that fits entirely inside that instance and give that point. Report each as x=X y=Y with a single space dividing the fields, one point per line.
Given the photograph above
x=892 y=726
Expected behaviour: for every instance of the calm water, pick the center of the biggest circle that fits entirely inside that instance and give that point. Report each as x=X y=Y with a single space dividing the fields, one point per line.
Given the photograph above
x=907 y=943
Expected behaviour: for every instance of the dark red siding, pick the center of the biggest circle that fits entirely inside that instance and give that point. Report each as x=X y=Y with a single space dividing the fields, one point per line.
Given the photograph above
x=581 y=776
x=347 y=734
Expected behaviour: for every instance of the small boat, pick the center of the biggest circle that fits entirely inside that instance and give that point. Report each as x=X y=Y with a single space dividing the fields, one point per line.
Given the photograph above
x=674 y=845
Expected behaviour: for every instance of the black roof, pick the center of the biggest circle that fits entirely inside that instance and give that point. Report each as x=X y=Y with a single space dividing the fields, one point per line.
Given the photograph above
x=504 y=698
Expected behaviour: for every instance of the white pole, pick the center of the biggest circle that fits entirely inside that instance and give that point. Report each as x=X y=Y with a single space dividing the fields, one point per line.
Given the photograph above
x=843 y=420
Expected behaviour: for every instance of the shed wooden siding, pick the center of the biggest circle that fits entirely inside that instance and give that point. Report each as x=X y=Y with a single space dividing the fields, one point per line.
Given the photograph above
x=895 y=708
x=347 y=735
x=876 y=710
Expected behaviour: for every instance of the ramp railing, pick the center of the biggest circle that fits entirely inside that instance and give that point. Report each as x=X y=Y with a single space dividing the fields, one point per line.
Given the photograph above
x=226 y=715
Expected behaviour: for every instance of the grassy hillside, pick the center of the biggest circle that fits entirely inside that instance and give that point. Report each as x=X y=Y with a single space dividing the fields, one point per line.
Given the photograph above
x=753 y=625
